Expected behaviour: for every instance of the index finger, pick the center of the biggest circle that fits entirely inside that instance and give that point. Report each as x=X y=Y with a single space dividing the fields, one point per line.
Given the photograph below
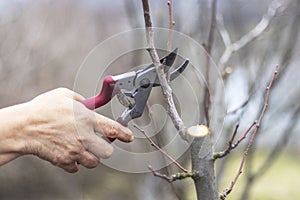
x=112 y=129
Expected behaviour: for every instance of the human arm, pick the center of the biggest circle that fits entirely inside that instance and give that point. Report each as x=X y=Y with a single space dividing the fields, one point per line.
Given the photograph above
x=57 y=127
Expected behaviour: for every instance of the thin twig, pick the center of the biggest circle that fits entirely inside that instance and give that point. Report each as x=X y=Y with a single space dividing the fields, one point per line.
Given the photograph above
x=231 y=145
x=159 y=149
x=166 y=89
x=245 y=39
x=267 y=94
x=171 y=23
x=170 y=36
x=273 y=155
x=168 y=170
x=174 y=177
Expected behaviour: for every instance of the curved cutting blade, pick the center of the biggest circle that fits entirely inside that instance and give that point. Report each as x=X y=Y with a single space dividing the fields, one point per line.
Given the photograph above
x=167 y=61
x=179 y=70
x=175 y=73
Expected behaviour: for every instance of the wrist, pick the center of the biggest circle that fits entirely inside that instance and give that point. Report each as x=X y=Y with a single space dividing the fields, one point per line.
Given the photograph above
x=13 y=127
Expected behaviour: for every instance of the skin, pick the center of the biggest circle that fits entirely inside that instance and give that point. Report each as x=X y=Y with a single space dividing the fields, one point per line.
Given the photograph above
x=57 y=128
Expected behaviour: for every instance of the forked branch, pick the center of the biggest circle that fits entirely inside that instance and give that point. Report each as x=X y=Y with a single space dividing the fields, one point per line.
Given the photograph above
x=231 y=47
x=257 y=125
x=231 y=145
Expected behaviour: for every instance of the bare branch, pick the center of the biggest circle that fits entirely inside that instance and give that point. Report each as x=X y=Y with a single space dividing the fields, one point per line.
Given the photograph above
x=272 y=156
x=171 y=23
x=233 y=183
x=157 y=137
x=223 y=31
x=207 y=100
x=159 y=149
x=167 y=91
x=251 y=35
x=232 y=146
x=174 y=177
x=170 y=36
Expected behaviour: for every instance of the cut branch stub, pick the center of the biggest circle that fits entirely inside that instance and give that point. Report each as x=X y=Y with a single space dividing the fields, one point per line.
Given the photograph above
x=198 y=131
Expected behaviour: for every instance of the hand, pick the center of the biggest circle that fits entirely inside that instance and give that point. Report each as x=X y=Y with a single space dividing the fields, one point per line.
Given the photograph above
x=62 y=130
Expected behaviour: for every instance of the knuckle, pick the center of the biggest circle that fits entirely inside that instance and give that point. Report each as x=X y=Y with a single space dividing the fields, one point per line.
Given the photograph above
x=112 y=132
x=59 y=160
x=64 y=158
x=62 y=90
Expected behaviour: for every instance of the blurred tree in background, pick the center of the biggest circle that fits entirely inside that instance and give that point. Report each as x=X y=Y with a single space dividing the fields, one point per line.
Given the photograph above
x=43 y=43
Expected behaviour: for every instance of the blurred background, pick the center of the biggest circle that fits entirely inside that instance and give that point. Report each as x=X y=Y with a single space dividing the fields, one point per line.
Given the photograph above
x=43 y=44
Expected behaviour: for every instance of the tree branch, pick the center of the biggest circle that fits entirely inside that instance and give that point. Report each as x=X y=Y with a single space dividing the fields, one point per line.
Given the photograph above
x=232 y=146
x=170 y=36
x=166 y=89
x=171 y=23
x=233 y=183
x=201 y=148
x=174 y=177
x=157 y=137
x=207 y=100
x=273 y=154
x=251 y=35
x=159 y=149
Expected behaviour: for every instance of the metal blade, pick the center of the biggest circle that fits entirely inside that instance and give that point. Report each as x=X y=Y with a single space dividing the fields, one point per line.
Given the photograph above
x=175 y=73
x=179 y=70
x=167 y=61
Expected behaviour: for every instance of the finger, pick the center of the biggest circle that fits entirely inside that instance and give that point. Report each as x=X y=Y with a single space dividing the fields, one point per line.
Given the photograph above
x=112 y=129
x=69 y=93
x=88 y=160
x=98 y=146
x=71 y=168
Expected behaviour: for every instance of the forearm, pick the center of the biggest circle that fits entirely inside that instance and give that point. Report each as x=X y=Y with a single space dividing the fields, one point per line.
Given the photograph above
x=12 y=127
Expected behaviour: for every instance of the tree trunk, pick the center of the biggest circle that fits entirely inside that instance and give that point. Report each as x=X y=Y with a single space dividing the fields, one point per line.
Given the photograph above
x=202 y=161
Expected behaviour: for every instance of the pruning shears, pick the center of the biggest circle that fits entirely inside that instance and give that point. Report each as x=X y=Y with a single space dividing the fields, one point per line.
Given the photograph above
x=133 y=89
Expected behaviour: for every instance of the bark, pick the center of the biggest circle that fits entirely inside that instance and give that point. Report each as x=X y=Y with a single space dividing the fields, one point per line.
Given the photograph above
x=202 y=161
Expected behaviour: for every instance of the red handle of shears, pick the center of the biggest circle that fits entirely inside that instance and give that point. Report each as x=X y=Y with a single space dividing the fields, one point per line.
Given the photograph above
x=102 y=98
